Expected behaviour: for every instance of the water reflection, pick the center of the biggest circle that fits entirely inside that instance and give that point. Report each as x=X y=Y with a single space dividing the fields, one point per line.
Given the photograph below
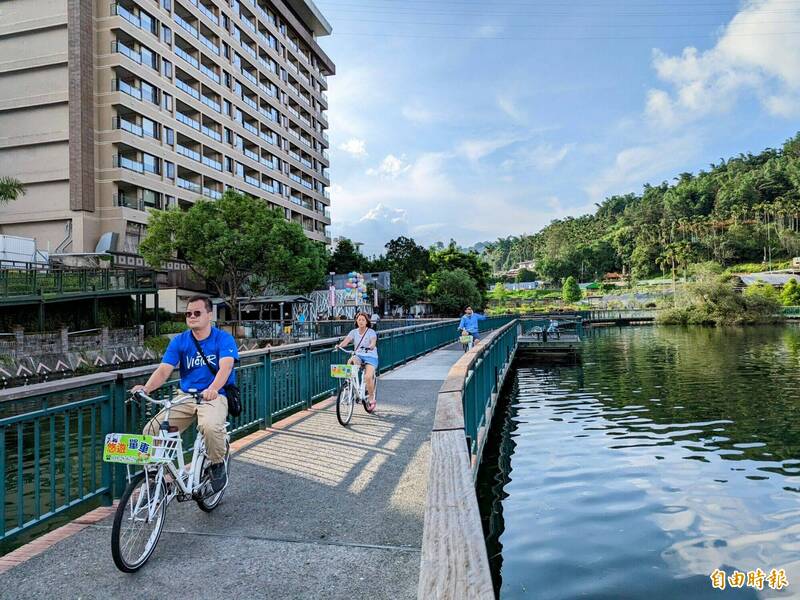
x=666 y=454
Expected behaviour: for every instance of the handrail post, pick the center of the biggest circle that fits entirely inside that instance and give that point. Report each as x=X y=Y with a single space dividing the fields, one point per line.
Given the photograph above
x=305 y=376
x=264 y=404
x=117 y=414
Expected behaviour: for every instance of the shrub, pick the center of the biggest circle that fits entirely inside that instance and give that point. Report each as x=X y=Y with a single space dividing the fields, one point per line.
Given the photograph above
x=157 y=344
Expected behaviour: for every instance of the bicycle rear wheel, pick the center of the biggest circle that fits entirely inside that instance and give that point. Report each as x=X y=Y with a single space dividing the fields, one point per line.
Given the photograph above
x=344 y=404
x=207 y=504
x=137 y=528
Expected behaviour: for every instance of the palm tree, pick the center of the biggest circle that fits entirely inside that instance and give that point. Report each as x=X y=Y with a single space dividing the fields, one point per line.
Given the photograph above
x=10 y=189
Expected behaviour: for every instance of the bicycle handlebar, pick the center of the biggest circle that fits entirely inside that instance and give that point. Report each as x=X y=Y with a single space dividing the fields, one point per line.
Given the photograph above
x=140 y=395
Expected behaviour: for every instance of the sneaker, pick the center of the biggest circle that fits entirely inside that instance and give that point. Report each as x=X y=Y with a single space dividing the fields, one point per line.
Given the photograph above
x=371 y=405
x=219 y=477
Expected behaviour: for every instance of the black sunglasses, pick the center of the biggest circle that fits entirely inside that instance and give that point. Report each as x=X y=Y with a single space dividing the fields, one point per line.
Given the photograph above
x=194 y=313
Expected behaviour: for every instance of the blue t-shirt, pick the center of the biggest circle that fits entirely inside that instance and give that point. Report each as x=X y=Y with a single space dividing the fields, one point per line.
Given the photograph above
x=195 y=374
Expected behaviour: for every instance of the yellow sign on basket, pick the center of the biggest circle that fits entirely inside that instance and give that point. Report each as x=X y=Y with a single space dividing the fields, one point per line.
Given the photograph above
x=128 y=448
x=465 y=339
x=342 y=371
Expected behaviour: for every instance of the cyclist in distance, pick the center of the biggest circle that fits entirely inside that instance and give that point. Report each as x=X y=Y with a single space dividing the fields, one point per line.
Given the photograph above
x=183 y=351
x=365 y=342
x=469 y=323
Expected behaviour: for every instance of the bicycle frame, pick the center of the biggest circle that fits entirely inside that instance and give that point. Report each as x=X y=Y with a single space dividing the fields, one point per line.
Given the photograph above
x=186 y=481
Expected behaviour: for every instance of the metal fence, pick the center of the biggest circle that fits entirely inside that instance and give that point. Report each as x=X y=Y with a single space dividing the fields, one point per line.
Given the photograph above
x=484 y=379
x=51 y=434
x=56 y=282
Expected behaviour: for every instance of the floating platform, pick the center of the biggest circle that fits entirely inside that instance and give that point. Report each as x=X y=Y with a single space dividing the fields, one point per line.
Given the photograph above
x=567 y=347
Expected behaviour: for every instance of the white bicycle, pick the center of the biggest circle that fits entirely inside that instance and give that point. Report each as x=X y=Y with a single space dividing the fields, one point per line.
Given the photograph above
x=353 y=390
x=142 y=509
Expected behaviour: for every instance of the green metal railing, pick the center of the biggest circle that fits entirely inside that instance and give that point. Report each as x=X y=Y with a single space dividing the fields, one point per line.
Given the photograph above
x=44 y=283
x=484 y=379
x=51 y=434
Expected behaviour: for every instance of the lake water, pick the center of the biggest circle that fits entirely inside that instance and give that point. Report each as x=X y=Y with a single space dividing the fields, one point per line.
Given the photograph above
x=666 y=454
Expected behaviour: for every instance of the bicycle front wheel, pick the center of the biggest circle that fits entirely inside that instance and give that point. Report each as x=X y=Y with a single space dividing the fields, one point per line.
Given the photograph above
x=138 y=522
x=344 y=404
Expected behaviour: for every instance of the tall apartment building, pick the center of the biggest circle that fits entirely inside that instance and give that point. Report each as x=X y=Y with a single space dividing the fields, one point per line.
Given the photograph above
x=109 y=109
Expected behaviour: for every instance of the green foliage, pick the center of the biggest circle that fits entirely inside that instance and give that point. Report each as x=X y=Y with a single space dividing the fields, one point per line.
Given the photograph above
x=452 y=258
x=451 y=291
x=405 y=293
x=570 y=291
x=171 y=327
x=407 y=259
x=157 y=344
x=525 y=275
x=790 y=294
x=238 y=244
x=346 y=258
x=10 y=189
x=711 y=300
x=762 y=290
x=743 y=210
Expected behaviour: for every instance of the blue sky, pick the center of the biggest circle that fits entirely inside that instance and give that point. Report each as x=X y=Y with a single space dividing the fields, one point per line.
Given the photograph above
x=475 y=119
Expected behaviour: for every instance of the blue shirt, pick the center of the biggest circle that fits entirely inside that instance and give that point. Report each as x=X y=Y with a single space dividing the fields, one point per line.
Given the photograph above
x=195 y=374
x=470 y=323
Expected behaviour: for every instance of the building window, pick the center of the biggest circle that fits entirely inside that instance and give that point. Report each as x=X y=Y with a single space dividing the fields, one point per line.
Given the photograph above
x=166 y=5
x=226 y=50
x=169 y=136
x=169 y=202
x=167 y=102
x=226 y=107
x=150 y=128
x=169 y=169
x=166 y=35
x=150 y=163
x=228 y=136
x=229 y=164
x=227 y=79
x=167 y=71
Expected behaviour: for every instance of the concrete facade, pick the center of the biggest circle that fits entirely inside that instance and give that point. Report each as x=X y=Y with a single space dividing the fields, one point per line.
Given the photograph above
x=109 y=110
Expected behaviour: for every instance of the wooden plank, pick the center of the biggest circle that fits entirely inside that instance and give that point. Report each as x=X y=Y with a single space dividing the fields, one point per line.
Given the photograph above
x=454 y=563
x=449 y=412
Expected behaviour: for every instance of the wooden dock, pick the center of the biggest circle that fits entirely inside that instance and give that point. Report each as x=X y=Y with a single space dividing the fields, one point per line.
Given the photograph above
x=567 y=346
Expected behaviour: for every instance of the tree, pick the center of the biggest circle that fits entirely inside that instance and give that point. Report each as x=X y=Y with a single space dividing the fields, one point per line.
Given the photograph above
x=451 y=291
x=404 y=293
x=571 y=291
x=407 y=258
x=239 y=245
x=451 y=258
x=10 y=189
x=346 y=258
x=790 y=294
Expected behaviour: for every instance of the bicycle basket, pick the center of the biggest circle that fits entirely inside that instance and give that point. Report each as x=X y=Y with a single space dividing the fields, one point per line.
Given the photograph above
x=342 y=371
x=165 y=449
x=465 y=339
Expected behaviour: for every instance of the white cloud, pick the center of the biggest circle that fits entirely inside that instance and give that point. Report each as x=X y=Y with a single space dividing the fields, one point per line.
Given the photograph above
x=396 y=216
x=390 y=167
x=475 y=150
x=355 y=146
x=417 y=113
x=510 y=108
x=637 y=165
x=755 y=54
x=542 y=157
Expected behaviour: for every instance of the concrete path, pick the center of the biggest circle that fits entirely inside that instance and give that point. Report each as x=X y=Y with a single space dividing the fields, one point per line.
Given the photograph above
x=314 y=510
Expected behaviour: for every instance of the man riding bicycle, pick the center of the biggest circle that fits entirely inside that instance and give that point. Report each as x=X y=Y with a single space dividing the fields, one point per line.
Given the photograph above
x=186 y=350
x=469 y=323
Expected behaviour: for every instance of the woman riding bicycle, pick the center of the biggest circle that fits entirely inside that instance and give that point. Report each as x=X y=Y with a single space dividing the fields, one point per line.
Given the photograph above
x=365 y=342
